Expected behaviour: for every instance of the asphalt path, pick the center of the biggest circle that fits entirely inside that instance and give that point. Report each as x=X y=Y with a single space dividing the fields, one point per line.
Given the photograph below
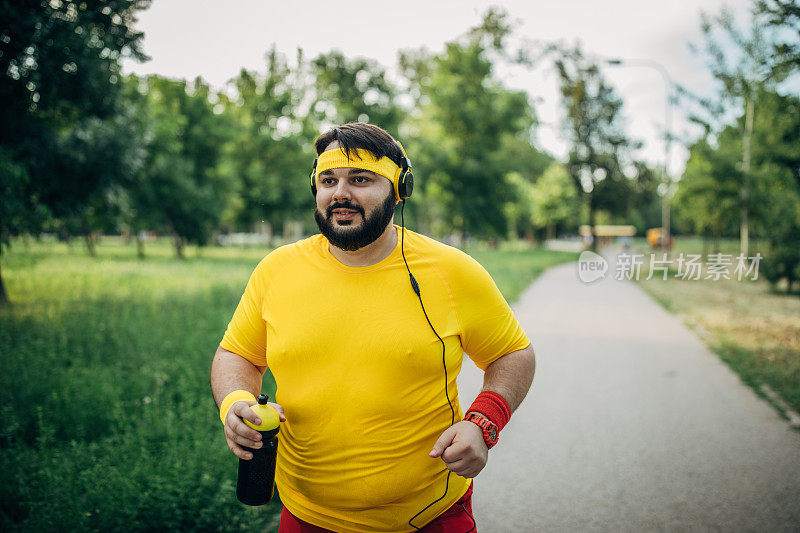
x=632 y=424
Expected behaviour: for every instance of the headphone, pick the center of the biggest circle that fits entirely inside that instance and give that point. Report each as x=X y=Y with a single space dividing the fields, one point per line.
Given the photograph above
x=403 y=181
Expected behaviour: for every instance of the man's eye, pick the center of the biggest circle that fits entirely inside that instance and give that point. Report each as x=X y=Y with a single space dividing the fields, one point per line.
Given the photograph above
x=361 y=179
x=327 y=181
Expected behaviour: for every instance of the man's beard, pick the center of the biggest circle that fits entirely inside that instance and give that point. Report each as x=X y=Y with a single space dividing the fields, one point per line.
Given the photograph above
x=351 y=239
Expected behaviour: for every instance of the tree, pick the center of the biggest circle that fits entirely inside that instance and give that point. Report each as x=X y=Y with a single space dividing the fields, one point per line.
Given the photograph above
x=742 y=75
x=555 y=199
x=645 y=208
x=783 y=15
x=180 y=189
x=463 y=120
x=97 y=159
x=522 y=165
x=355 y=90
x=708 y=195
x=594 y=127
x=14 y=205
x=549 y=202
x=270 y=153
x=707 y=198
x=59 y=66
x=783 y=260
x=776 y=173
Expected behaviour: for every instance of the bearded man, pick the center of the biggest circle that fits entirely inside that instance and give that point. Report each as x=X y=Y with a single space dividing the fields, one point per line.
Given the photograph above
x=364 y=327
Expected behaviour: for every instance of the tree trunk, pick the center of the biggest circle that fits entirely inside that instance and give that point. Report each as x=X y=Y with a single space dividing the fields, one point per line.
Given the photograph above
x=90 y=244
x=87 y=235
x=139 y=246
x=551 y=231
x=4 y=301
x=179 y=242
x=715 y=236
x=744 y=245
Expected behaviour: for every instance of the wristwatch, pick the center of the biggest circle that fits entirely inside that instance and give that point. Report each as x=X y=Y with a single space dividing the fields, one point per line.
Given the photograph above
x=488 y=427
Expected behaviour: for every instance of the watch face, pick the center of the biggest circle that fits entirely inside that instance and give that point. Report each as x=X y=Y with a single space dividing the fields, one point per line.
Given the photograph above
x=488 y=427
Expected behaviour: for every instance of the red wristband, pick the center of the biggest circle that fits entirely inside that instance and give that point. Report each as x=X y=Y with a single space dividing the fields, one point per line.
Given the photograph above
x=492 y=406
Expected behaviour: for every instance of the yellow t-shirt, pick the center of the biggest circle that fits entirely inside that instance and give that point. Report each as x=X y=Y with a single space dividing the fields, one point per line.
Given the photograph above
x=360 y=374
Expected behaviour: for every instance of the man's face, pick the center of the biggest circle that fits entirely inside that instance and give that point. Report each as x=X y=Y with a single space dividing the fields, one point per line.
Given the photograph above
x=354 y=206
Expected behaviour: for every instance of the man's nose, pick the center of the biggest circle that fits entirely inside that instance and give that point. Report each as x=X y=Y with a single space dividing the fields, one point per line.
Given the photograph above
x=341 y=191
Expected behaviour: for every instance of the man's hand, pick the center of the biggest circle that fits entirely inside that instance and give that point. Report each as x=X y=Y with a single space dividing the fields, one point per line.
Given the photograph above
x=462 y=449
x=239 y=434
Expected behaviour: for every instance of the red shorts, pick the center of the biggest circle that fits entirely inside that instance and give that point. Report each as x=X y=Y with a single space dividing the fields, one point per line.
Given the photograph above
x=457 y=519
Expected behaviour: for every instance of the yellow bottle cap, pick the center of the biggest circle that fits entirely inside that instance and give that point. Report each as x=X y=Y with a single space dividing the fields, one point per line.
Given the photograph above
x=270 y=419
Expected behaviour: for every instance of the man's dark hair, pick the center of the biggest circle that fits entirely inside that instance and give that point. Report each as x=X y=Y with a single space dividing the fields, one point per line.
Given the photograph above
x=355 y=135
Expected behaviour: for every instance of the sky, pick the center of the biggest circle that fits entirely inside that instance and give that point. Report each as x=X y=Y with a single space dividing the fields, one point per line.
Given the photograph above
x=215 y=39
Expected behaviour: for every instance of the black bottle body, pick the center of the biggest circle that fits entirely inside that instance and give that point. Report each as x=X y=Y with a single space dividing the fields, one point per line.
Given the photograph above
x=256 y=482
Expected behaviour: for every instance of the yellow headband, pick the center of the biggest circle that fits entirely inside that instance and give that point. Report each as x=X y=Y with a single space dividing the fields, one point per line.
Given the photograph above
x=360 y=159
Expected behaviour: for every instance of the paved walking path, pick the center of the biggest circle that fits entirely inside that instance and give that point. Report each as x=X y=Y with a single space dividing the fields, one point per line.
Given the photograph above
x=632 y=424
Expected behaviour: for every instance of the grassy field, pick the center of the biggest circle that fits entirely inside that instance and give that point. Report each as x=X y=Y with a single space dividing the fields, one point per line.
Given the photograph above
x=514 y=265
x=107 y=417
x=754 y=328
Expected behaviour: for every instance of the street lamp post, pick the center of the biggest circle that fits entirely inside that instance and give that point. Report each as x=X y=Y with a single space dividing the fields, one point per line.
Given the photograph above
x=665 y=208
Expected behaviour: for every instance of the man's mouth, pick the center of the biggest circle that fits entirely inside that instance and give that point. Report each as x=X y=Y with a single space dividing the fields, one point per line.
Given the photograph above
x=344 y=214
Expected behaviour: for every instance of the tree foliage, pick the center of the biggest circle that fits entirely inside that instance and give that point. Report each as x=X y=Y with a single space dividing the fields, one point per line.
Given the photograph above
x=745 y=169
x=464 y=121
x=355 y=90
x=594 y=127
x=180 y=190
x=59 y=80
x=708 y=200
x=270 y=153
x=784 y=16
x=776 y=164
x=555 y=201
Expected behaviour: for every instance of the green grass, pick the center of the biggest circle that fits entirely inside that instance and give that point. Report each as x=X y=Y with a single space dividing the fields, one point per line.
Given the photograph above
x=107 y=421
x=752 y=327
x=107 y=418
x=514 y=266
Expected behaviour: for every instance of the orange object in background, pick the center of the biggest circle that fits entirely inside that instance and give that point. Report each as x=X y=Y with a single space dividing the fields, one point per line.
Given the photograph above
x=654 y=238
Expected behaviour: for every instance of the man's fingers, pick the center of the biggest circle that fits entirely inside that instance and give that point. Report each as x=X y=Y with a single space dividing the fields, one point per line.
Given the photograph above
x=250 y=441
x=466 y=472
x=238 y=428
x=242 y=410
x=278 y=407
x=444 y=441
x=238 y=451
x=458 y=466
x=461 y=449
x=453 y=453
x=465 y=467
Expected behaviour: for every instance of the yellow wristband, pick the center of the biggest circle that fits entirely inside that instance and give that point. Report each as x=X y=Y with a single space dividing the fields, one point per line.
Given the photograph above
x=232 y=398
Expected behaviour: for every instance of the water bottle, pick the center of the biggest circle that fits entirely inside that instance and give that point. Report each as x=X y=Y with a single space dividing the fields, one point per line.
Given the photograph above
x=256 y=481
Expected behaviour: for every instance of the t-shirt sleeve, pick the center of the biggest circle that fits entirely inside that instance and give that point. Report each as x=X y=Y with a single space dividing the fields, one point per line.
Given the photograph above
x=247 y=331
x=489 y=328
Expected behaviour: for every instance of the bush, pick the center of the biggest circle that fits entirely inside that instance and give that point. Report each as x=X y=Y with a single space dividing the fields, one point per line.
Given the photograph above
x=783 y=263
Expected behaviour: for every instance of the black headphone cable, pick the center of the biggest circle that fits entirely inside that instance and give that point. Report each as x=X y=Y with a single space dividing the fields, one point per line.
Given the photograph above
x=417 y=291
